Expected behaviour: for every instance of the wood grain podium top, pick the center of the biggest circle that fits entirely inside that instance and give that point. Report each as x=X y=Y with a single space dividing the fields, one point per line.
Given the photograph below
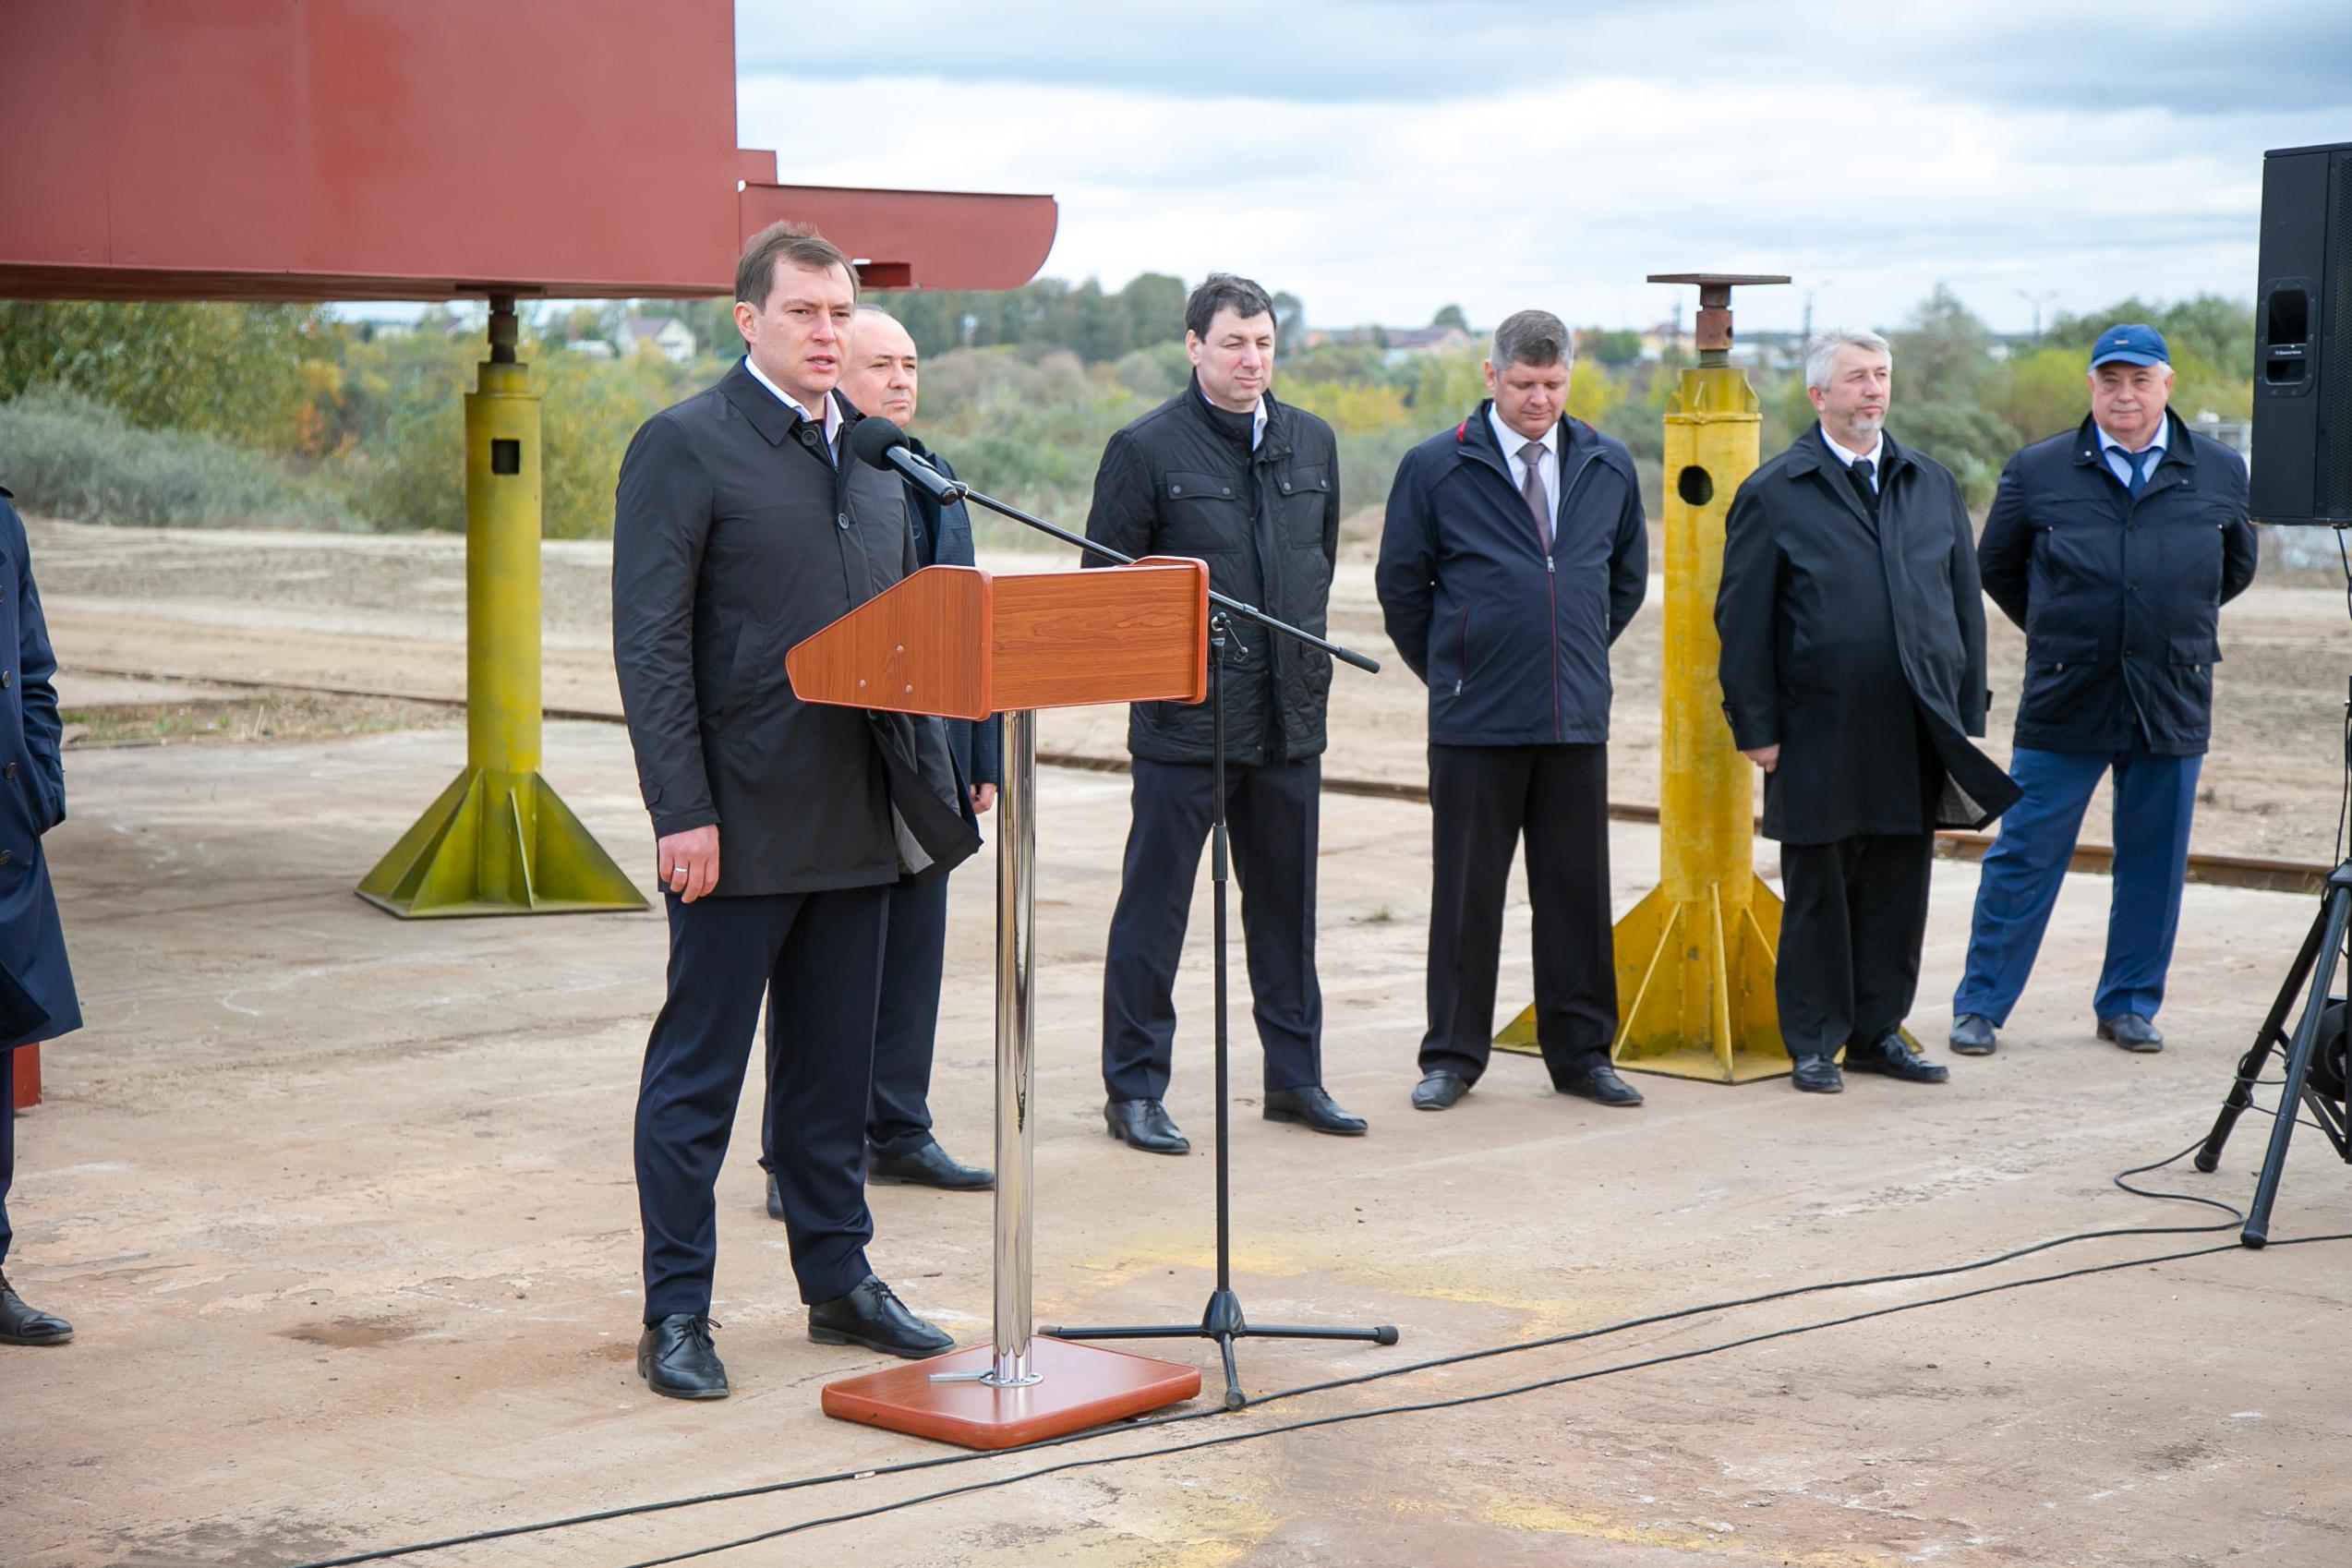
x=963 y=642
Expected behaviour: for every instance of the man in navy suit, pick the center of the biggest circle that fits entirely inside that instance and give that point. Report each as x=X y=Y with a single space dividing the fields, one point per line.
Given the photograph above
x=879 y=376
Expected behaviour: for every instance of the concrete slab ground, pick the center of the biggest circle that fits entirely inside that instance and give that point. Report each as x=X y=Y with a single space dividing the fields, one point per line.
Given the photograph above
x=343 y=1209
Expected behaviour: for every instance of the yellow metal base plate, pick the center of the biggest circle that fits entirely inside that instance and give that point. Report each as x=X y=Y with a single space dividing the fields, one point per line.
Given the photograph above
x=498 y=844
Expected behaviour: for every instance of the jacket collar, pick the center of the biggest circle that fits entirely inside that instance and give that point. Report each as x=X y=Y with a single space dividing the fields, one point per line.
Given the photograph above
x=1274 y=443
x=761 y=410
x=2179 y=445
x=1810 y=452
x=1810 y=455
x=1579 y=442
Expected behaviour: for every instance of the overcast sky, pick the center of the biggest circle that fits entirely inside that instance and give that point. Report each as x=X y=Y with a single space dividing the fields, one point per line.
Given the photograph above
x=1381 y=158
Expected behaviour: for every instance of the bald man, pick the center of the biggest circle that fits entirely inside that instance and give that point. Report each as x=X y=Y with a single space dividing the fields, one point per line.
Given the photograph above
x=880 y=377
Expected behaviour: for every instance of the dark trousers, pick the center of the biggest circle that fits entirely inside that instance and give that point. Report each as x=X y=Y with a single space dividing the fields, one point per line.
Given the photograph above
x=7 y=1142
x=1851 y=928
x=906 y=1026
x=1482 y=800
x=1272 y=818
x=2154 y=799
x=817 y=956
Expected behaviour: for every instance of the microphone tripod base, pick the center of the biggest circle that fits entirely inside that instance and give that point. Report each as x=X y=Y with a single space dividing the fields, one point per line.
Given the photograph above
x=1224 y=1322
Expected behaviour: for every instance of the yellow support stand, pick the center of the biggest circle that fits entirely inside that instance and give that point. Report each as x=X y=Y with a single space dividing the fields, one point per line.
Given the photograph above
x=499 y=840
x=1694 y=958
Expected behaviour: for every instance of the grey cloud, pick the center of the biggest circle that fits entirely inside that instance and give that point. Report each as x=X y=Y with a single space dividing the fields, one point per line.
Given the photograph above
x=2110 y=55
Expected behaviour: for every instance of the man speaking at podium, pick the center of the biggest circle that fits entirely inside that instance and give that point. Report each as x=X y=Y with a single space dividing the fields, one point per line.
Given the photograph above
x=1223 y=473
x=881 y=380
x=738 y=530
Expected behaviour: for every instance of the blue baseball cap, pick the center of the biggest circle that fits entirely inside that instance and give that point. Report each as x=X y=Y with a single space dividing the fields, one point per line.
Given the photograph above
x=2132 y=342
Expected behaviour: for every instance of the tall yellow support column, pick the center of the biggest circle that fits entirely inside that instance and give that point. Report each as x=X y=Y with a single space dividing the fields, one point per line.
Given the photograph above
x=1694 y=958
x=499 y=840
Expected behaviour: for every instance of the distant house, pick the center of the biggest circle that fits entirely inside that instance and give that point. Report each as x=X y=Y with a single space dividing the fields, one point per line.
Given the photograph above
x=665 y=335
x=592 y=348
x=1396 y=343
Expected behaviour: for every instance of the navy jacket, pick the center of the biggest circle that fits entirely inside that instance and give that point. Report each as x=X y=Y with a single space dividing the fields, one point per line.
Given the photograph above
x=2120 y=599
x=32 y=801
x=943 y=538
x=1513 y=640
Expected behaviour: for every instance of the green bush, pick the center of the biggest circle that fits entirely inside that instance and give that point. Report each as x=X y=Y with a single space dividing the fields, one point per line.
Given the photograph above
x=70 y=457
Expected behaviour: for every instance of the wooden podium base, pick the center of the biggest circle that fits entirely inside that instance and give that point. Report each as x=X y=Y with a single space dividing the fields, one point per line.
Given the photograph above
x=1080 y=1386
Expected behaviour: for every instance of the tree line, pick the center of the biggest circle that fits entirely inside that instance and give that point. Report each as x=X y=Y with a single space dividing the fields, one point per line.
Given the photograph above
x=276 y=415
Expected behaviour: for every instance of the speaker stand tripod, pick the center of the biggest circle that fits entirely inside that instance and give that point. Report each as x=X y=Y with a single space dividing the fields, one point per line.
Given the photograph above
x=1224 y=1320
x=2318 y=1043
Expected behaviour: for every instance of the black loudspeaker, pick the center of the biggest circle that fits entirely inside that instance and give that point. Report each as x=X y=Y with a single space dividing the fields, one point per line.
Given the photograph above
x=2302 y=468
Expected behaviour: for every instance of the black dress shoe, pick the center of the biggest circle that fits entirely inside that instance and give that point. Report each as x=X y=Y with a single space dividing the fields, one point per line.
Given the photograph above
x=675 y=1358
x=927 y=1166
x=1144 y=1124
x=1439 y=1089
x=1601 y=1084
x=871 y=1315
x=2132 y=1032
x=1818 y=1075
x=21 y=1324
x=1891 y=1058
x=1974 y=1035
x=1309 y=1107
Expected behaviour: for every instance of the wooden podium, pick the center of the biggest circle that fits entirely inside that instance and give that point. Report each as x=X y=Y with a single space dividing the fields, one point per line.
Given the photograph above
x=963 y=643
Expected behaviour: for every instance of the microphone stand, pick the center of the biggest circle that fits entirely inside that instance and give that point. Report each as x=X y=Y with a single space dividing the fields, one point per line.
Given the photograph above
x=1223 y=1320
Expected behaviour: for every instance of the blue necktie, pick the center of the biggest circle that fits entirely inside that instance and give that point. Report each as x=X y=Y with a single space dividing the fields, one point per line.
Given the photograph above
x=2138 y=475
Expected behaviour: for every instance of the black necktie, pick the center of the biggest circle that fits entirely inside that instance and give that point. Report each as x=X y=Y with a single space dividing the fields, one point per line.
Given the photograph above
x=1859 y=471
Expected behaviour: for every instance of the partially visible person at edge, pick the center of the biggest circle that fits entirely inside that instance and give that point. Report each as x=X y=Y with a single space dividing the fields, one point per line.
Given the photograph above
x=1514 y=553
x=1853 y=675
x=1224 y=472
x=881 y=380
x=2113 y=545
x=739 y=528
x=37 y=999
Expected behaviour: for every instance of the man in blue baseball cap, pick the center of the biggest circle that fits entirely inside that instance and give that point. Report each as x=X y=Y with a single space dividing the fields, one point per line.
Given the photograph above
x=2114 y=546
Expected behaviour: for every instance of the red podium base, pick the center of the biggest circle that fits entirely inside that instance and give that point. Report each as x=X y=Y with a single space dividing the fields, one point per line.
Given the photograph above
x=1080 y=1386
x=25 y=1063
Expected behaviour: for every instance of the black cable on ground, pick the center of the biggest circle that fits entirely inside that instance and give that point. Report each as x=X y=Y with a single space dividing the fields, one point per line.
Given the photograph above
x=1157 y=1422
x=1455 y=1402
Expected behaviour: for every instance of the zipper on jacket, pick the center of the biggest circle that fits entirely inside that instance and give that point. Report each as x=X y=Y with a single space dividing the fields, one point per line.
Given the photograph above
x=1551 y=590
x=1461 y=650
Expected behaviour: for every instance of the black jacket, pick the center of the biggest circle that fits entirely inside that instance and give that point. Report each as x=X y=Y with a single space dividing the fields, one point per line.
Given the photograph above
x=943 y=538
x=2120 y=599
x=1858 y=646
x=732 y=539
x=1175 y=482
x=1512 y=638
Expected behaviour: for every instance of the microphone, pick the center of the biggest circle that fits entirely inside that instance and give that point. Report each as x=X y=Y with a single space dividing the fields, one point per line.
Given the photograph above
x=880 y=442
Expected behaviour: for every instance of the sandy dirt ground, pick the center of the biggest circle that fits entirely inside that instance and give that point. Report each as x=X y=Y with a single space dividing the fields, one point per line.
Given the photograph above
x=342 y=1209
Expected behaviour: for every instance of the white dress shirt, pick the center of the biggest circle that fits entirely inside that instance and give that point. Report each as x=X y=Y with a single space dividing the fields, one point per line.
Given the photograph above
x=2119 y=456
x=1547 y=466
x=832 y=408
x=1877 y=451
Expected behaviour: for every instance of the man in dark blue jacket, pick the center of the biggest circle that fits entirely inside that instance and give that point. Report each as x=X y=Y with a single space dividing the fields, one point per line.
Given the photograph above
x=881 y=376
x=1514 y=553
x=36 y=998
x=2114 y=546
